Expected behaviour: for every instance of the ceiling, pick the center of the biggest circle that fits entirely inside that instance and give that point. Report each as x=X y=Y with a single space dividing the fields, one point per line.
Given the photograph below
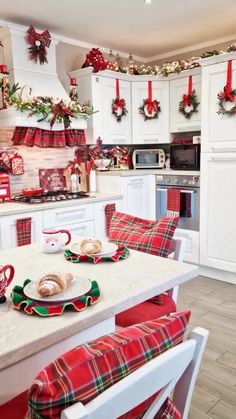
x=130 y=25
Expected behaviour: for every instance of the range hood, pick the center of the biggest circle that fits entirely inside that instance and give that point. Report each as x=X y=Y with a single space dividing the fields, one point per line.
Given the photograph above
x=33 y=78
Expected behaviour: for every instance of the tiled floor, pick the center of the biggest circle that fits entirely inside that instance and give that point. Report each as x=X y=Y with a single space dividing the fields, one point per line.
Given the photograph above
x=213 y=305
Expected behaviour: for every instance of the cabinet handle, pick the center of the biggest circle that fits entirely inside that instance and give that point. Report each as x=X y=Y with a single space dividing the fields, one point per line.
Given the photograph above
x=118 y=141
x=223 y=159
x=136 y=180
x=69 y=212
x=223 y=149
x=182 y=190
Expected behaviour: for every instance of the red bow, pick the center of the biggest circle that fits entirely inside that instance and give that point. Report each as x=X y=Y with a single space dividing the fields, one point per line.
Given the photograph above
x=151 y=106
x=227 y=94
x=33 y=36
x=120 y=103
x=186 y=100
x=61 y=112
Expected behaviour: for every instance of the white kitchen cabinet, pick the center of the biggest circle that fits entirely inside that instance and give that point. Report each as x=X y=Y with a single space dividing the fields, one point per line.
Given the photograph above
x=8 y=228
x=76 y=214
x=152 y=131
x=100 y=90
x=138 y=192
x=218 y=131
x=191 y=237
x=218 y=202
x=179 y=87
x=100 y=219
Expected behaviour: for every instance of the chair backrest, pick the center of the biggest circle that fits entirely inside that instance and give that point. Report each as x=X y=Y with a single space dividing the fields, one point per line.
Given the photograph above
x=175 y=370
x=177 y=249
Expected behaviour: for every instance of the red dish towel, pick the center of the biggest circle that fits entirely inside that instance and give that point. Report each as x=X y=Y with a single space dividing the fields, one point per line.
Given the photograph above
x=109 y=209
x=23 y=231
x=185 y=205
x=173 y=202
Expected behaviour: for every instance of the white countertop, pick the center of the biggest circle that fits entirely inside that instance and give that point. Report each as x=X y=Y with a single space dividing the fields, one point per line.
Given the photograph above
x=123 y=284
x=141 y=172
x=8 y=208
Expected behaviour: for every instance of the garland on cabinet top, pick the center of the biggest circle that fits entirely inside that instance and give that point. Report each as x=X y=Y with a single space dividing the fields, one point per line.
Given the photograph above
x=228 y=96
x=118 y=106
x=150 y=109
x=38 y=43
x=47 y=108
x=189 y=103
x=95 y=59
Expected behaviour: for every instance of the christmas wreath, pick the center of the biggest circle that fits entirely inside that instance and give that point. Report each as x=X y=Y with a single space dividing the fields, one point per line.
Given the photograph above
x=189 y=103
x=118 y=104
x=150 y=109
x=228 y=95
x=38 y=43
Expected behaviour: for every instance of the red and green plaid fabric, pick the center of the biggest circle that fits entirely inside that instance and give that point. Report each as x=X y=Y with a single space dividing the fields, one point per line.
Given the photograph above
x=23 y=231
x=31 y=136
x=84 y=372
x=109 y=209
x=173 y=202
x=121 y=253
x=167 y=411
x=21 y=302
x=146 y=236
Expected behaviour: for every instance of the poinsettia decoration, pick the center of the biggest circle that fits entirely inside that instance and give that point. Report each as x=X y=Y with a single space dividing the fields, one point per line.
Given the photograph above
x=228 y=95
x=95 y=59
x=38 y=43
x=118 y=104
x=189 y=103
x=150 y=109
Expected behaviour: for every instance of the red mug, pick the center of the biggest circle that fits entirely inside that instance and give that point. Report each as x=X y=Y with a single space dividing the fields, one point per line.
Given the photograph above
x=52 y=241
x=5 y=280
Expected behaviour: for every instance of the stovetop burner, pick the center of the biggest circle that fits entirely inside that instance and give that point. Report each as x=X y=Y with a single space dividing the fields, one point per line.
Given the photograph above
x=51 y=197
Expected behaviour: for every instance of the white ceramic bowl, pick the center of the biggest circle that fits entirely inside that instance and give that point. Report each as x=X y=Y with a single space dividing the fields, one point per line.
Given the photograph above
x=102 y=163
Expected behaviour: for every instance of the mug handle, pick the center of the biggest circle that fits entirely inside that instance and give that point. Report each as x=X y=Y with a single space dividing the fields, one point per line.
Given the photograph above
x=11 y=275
x=68 y=234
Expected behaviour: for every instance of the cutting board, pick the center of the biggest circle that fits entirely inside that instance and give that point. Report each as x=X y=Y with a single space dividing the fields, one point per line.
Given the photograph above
x=52 y=179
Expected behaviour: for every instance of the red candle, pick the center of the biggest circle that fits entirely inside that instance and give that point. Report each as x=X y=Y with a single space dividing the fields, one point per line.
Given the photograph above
x=73 y=81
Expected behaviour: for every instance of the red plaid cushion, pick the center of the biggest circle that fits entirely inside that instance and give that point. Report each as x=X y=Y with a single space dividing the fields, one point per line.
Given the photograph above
x=86 y=371
x=146 y=236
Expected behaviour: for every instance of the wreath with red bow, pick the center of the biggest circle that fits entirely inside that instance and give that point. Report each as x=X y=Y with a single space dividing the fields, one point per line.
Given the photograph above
x=118 y=104
x=189 y=104
x=228 y=95
x=150 y=109
x=38 y=43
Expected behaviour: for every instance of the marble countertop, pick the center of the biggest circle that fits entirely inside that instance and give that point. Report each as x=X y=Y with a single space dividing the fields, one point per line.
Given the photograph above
x=123 y=284
x=141 y=172
x=8 y=208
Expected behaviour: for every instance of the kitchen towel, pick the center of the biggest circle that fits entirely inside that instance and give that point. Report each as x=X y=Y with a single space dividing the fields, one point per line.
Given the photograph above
x=185 y=205
x=109 y=209
x=173 y=202
x=121 y=253
x=23 y=231
x=21 y=302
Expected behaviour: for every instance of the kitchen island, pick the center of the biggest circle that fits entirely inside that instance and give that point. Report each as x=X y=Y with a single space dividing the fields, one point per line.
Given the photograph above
x=27 y=343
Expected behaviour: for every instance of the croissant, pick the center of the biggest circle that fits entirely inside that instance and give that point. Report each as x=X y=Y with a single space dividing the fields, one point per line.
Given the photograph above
x=90 y=246
x=53 y=283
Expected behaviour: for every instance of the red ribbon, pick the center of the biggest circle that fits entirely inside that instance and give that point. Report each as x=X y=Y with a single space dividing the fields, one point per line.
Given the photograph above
x=229 y=76
x=190 y=85
x=119 y=104
x=187 y=98
x=33 y=36
x=117 y=88
x=151 y=104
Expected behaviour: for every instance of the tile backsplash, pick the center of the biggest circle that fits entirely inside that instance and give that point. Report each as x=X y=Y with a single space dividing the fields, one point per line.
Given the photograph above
x=35 y=158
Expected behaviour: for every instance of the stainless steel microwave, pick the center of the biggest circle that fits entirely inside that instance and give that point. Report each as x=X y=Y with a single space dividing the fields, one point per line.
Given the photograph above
x=185 y=156
x=148 y=158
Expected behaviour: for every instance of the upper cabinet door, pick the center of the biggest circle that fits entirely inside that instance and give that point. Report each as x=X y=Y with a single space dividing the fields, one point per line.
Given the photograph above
x=178 y=122
x=218 y=131
x=115 y=132
x=152 y=131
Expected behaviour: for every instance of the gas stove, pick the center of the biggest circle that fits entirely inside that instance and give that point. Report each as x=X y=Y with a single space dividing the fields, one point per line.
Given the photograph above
x=51 y=197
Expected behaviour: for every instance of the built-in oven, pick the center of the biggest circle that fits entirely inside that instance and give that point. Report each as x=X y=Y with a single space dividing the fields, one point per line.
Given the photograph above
x=187 y=184
x=185 y=156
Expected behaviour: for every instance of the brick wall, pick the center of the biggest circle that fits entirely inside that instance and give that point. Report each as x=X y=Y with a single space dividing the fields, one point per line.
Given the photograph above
x=35 y=158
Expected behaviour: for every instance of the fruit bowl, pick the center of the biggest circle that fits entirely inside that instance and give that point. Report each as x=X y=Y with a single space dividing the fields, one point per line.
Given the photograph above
x=102 y=164
x=32 y=191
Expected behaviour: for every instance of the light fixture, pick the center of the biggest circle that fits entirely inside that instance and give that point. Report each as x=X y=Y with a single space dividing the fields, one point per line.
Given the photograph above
x=148 y=1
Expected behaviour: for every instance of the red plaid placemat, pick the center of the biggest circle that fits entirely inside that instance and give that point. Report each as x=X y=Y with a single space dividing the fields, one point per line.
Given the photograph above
x=21 y=302
x=109 y=209
x=23 y=231
x=121 y=253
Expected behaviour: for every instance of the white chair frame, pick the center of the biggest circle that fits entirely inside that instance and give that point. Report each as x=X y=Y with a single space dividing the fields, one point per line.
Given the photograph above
x=175 y=369
x=177 y=250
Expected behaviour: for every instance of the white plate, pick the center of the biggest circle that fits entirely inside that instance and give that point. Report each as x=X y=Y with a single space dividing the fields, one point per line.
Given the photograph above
x=79 y=286
x=108 y=249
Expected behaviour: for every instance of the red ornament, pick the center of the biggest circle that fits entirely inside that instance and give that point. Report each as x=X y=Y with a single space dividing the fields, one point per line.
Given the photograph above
x=95 y=59
x=38 y=42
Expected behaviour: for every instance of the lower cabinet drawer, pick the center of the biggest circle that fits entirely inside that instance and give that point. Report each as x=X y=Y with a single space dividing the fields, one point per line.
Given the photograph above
x=68 y=216
x=85 y=229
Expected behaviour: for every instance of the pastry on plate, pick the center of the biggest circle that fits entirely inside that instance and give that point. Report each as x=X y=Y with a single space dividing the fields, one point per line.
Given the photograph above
x=90 y=246
x=53 y=283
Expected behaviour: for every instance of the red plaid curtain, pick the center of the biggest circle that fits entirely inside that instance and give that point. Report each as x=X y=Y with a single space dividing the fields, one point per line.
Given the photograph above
x=23 y=231
x=109 y=209
x=30 y=137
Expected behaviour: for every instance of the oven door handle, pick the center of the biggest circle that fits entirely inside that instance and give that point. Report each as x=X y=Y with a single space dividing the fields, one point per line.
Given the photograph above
x=181 y=190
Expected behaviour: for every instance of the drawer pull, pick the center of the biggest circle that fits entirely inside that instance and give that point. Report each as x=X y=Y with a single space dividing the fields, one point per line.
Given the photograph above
x=69 y=212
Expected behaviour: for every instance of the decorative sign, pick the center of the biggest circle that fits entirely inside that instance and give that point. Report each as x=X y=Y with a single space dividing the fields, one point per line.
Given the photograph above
x=52 y=179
